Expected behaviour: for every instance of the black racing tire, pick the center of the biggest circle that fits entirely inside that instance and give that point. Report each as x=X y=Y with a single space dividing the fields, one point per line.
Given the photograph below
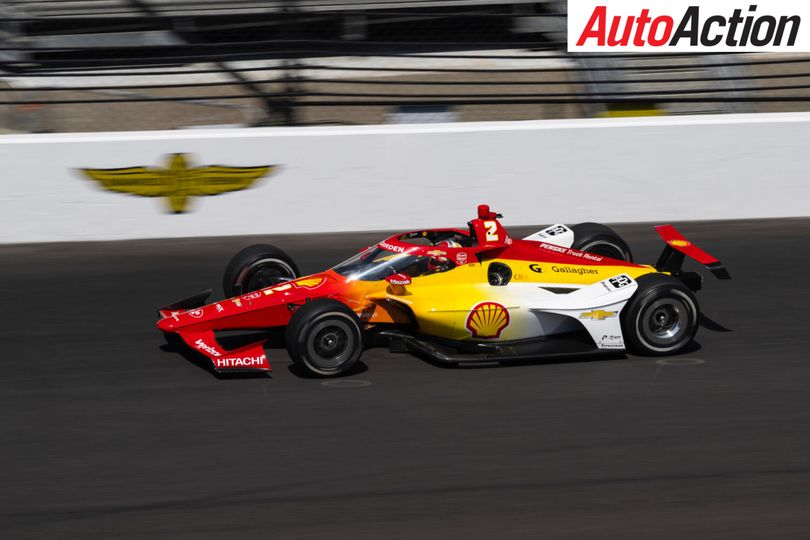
x=600 y=240
x=661 y=318
x=257 y=267
x=324 y=338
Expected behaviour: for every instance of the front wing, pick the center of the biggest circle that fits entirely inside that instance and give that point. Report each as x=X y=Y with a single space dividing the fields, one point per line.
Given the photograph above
x=248 y=358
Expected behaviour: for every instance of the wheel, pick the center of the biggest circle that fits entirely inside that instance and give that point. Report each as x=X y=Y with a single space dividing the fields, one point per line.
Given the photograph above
x=324 y=337
x=257 y=267
x=661 y=317
x=600 y=240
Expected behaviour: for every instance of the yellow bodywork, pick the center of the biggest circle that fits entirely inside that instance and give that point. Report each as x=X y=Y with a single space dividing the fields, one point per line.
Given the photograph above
x=461 y=304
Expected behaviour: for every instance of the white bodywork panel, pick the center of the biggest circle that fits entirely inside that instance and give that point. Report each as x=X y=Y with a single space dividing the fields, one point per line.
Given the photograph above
x=558 y=234
x=597 y=307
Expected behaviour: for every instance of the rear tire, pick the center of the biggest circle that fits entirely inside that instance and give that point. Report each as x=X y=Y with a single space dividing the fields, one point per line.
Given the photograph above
x=661 y=317
x=324 y=338
x=257 y=267
x=600 y=240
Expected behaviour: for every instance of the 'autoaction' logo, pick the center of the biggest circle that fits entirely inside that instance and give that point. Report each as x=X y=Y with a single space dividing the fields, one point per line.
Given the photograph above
x=687 y=26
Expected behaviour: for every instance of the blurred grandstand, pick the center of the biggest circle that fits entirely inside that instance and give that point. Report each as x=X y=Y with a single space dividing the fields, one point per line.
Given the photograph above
x=101 y=65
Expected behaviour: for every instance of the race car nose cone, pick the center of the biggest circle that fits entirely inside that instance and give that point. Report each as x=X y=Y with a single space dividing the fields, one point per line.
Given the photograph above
x=166 y=325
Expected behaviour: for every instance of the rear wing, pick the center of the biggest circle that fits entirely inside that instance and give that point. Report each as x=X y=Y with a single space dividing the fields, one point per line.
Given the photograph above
x=678 y=247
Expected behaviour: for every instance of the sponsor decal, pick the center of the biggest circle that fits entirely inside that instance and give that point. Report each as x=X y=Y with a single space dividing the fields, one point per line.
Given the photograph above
x=196 y=313
x=554 y=231
x=178 y=182
x=597 y=315
x=240 y=361
x=572 y=270
x=611 y=342
x=461 y=257
x=572 y=252
x=390 y=247
x=203 y=346
x=237 y=302
x=220 y=309
x=309 y=283
x=507 y=241
x=437 y=253
x=399 y=281
x=487 y=320
x=689 y=26
x=679 y=243
x=251 y=296
x=585 y=255
x=620 y=282
x=552 y=247
x=536 y=268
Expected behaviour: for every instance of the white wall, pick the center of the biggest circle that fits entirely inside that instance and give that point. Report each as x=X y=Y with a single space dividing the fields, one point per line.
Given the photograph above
x=395 y=177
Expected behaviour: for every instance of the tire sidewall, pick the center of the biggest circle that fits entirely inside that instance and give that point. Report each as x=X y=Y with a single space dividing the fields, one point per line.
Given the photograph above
x=593 y=243
x=589 y=236
x=248 y=257
x=301 y=332
x=651 y=289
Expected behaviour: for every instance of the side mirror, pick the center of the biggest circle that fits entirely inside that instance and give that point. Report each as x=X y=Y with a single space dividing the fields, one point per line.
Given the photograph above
x=399 y=279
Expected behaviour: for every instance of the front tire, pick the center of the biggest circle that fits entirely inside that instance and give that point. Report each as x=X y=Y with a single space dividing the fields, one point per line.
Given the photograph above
x=324 y=338
x=257 y=267
x=661 y=317
x=600 y=240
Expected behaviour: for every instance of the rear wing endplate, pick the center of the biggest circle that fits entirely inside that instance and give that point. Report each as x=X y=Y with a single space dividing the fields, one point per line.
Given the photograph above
x=678 y=247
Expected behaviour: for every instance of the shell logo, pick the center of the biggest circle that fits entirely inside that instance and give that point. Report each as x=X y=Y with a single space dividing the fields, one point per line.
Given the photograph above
x=304 y=283
x=679 y=243
x=487 y=320
x=309 y=283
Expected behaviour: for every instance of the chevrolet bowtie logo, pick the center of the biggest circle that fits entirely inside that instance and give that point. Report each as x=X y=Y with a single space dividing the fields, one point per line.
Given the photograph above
x=597 y=315
x=178 y=182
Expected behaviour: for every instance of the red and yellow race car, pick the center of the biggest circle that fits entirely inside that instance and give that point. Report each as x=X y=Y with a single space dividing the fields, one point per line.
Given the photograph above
x=455 y=296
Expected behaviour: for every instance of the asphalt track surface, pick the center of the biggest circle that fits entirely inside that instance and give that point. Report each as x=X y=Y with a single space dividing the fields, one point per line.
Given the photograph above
x=105 y=434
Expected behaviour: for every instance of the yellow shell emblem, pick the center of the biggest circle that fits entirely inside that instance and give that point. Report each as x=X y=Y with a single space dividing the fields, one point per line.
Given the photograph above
x=487 y=320
x=679 y=243
x=309 y=283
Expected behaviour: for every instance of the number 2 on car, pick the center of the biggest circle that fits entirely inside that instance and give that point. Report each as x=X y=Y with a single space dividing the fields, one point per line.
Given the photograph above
x=492 y=230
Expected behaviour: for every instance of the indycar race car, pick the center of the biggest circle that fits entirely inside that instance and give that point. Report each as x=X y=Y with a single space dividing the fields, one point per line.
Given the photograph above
x=454 y=296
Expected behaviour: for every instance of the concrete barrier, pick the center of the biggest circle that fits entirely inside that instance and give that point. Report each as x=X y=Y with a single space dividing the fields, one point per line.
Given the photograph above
x=404 y=176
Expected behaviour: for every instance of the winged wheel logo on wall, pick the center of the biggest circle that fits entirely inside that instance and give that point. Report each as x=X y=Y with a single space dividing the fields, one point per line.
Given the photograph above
x=178 y=182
